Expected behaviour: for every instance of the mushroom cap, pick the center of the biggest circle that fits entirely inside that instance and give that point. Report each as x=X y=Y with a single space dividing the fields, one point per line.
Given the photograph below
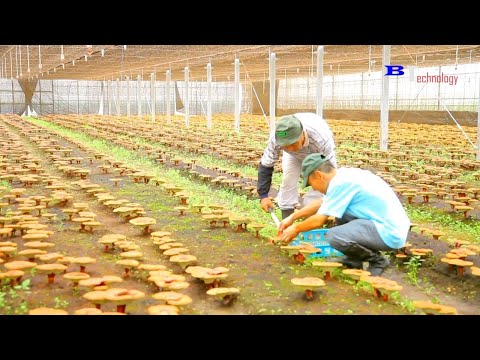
x=34 y=236
x=151 y=267
x=175 y=251
x=8 y=243
x=124 y=209
x=192 y=269
x=173 y=298
x=163 y=241
x=91 y=282
x=169 y=245
x=47 y=311
x=92 y=223
x=130 y=247
x=155 y=274
x=163 y=310
x=386 y=287
x=36 y=226
x=218 y=270
x=87 y=214
x=143 y=221
x=462 y=252
x=80 y=206
x=108 y=279
x=88 y=311
x=96 y=297
x=83 y=260
x=4 y=231
x=160 y=234
x=76 y=276
x=457 y=262
x=123 y=296
x=123 y=243
x=12 y=274
x=327 y=266
x=308 y=282
x=35 y=231
x=223 y=291
x=8 y=249
x=107 y=241
x=458 y=242
x=49 y=257
x=257 y=226
x=38 y=245
x=452 y=256
x=377 y=280
x=356 y=274
x=19 y=265
x=422 y=250
x=183 y=258
x=166 y=277
x=175 y=285
x=65 y=260
x=475 y=270
x=112 y=313
x=128 y=262
x=131 y=254
x=51 y=268
x=30 y=252
x=432 y=308
x=117 y=237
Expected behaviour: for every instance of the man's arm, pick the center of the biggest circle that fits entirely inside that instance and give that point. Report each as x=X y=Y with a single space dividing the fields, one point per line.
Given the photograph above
x=265 y=172
x=264 y=181
x=313 y=222
x=309 y=210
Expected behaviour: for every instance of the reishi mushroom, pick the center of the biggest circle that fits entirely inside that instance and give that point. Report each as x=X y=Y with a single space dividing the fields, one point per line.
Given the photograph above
x=226 y=295
x=308 y=284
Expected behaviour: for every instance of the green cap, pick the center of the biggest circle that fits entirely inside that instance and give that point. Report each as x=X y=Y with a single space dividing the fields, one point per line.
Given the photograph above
x=288 y=130
x=310 y=163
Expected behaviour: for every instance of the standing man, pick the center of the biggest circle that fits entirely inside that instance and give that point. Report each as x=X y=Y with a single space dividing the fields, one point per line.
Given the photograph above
x=298 y=135
x=369 y=216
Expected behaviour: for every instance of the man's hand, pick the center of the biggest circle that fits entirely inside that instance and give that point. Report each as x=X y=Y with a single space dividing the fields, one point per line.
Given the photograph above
x=289 y=234
x=285 y=223
x=266 y=203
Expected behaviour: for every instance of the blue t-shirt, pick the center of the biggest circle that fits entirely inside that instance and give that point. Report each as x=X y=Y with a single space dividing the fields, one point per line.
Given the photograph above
x=364 y=195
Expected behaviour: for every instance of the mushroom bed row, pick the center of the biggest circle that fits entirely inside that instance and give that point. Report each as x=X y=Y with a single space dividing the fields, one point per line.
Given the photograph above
x=24 y=228
x=30 y=217
x=422 y=166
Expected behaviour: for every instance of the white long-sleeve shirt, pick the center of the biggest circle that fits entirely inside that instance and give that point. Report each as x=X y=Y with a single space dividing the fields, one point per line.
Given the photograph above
x=318 y=139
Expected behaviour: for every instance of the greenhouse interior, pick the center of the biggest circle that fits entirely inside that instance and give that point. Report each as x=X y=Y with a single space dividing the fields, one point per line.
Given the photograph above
x=239 y=179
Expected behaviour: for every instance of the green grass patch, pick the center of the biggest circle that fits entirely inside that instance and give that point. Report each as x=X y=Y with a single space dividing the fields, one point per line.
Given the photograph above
x=453 y=225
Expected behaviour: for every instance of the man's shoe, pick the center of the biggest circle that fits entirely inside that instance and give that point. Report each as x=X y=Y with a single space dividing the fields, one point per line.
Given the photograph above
x=348 y=262
x=377 y=265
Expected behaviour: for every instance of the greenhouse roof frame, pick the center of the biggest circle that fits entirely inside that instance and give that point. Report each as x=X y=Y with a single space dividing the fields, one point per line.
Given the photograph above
x=110 y=62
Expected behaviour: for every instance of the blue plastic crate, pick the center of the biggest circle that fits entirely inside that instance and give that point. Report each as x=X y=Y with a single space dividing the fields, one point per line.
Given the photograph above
x=317 y=239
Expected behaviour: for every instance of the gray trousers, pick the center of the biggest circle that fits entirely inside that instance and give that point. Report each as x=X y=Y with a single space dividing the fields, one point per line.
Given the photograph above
x=350 y=230
x=287 y=196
